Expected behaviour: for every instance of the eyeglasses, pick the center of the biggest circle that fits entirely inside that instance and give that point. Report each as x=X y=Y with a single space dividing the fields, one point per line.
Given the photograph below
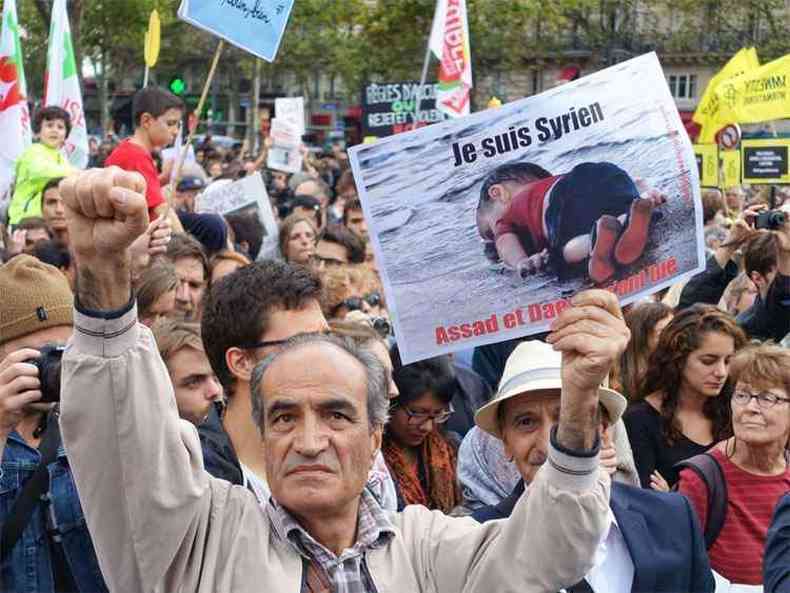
x=765 y=400
x=419 y=418
x=272 y=343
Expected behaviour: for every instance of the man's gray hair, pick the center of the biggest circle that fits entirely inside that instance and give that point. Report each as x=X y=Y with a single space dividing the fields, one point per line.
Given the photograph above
x=377 y=380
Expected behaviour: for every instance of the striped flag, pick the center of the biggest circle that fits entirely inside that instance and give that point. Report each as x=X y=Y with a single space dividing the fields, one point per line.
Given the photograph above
x=63 y=85
x=14 y=114
x=450 y=44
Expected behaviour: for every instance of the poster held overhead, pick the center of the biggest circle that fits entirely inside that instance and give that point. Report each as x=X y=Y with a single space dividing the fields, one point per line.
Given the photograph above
x=254 y=26
x=248 y=194
x=484 y=226
x=390 y=107
x=285 y=152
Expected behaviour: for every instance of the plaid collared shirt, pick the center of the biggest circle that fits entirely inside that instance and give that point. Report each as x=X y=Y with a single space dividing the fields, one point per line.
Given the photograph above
x=327 y=572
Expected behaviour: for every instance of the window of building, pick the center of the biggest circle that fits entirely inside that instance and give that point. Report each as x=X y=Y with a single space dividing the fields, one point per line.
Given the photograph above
x=683 y=86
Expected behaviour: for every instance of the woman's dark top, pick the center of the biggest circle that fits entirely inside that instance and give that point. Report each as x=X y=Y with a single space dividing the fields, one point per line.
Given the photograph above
x=652 y=452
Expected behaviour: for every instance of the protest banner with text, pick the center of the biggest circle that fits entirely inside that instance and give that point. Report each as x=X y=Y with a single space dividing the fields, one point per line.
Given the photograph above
x=247 y=194
x=253 y=25
x=765 y=161
x=390 y=107
x=485 y=226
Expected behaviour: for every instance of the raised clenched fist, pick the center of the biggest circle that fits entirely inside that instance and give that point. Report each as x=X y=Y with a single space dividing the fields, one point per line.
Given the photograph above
x=106 y=211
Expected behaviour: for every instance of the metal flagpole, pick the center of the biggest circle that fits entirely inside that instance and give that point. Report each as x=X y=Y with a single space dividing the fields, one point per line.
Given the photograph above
x=418 y=100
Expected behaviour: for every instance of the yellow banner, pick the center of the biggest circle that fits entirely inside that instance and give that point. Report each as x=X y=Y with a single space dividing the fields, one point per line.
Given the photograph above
x=730 y=168
x=152 y=39
x=765 y=161
x=707 y=113
x=707 y=164
x=760 y=95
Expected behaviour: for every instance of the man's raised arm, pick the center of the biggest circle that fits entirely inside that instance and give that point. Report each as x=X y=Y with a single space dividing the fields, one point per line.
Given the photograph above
x=137 y=467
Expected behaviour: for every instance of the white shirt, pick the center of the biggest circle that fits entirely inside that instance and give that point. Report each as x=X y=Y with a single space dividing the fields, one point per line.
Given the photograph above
x=259 y=486
x=613 y=571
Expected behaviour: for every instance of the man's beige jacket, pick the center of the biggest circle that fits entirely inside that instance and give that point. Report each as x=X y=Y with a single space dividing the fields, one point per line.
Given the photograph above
x=160 y=523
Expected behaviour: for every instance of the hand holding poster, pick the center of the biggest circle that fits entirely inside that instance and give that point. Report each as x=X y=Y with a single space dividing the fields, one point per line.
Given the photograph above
x=484 y=226
x=256 y=26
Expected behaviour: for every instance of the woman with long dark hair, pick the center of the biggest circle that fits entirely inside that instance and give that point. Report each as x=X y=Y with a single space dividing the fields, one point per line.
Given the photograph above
x=684 y=405
x=646 y=322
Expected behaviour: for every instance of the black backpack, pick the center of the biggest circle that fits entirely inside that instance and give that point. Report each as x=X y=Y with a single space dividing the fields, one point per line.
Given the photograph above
x=709 y=470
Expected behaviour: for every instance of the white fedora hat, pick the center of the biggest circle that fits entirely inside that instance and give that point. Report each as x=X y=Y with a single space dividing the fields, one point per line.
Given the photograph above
x=534 y=366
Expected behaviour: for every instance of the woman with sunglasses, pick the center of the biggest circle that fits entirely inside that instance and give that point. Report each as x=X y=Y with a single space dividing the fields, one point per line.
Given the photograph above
x=420 y=456
x=753 y=463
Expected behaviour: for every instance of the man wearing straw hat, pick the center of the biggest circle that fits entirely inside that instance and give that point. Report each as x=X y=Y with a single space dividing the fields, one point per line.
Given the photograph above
x=654 y=543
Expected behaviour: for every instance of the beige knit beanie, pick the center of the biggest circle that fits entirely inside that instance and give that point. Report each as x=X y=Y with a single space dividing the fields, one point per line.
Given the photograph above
x=33 y=296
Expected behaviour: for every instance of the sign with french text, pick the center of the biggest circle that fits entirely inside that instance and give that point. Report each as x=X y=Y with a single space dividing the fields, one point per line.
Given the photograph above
x=765 y=161
x=485 y=226
x=256 y=26
x=390 y=108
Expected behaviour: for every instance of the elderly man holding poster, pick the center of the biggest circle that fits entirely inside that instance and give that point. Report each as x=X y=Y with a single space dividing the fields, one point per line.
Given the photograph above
x=161 y=523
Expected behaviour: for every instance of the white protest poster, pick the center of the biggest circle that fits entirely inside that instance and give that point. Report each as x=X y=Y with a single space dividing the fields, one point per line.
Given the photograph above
x=484 y=226
x=285 y=152
x=247 y=193
x=291 y=109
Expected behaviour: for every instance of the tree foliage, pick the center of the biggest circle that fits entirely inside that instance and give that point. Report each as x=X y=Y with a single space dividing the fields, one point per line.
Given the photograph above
x=358 y=40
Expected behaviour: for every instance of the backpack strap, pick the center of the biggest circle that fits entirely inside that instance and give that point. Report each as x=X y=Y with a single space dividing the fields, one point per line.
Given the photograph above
x=709 y=471
x=30 y=495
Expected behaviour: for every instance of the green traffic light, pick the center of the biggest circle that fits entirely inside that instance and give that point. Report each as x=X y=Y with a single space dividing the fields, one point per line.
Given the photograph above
x=178 y=86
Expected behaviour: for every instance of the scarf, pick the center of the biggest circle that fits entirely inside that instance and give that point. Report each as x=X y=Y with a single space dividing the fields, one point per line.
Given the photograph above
x=437 y=458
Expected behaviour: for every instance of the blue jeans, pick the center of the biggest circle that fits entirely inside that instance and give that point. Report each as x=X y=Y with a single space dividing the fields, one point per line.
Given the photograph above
x=28 y=568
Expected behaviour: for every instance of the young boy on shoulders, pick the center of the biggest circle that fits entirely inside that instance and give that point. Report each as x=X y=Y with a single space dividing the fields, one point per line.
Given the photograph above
x=40 y=163
x=156 y=114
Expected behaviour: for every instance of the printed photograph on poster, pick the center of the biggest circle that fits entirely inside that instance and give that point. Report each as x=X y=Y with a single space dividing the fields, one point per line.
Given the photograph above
x=485 y=226
x=245 y=195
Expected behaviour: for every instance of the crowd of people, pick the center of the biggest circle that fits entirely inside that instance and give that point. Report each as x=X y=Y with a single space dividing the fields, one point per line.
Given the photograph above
x=187 y=404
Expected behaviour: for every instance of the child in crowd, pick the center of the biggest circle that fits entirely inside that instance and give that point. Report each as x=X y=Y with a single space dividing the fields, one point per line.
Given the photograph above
x=594 y=212
x=40 y=163
x=157 y=116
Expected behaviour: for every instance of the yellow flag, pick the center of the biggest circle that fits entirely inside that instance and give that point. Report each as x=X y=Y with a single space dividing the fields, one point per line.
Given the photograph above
x=759 y=95
x=708 y=113
x=730 y=168
x=152 y=39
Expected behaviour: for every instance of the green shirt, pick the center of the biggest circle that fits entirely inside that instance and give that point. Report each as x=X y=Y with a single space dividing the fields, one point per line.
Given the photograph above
x=34 y=169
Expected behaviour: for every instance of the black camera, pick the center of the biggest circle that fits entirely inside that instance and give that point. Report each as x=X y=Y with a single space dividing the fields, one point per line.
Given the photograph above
x=771 y=220
x=48 y=363
x=382 y=326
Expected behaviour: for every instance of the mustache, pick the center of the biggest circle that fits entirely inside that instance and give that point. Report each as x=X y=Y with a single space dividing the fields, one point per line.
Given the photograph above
x=326 y=460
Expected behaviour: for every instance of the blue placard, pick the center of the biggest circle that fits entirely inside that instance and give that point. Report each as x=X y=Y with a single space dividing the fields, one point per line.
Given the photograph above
x=256 y=26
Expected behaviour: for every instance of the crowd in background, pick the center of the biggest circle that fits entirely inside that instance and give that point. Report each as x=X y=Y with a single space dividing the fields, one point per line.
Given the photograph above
x=703 y=386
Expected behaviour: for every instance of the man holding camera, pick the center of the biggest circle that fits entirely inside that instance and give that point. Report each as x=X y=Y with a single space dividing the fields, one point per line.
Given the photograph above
x=763 y=237
x=44 y=541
